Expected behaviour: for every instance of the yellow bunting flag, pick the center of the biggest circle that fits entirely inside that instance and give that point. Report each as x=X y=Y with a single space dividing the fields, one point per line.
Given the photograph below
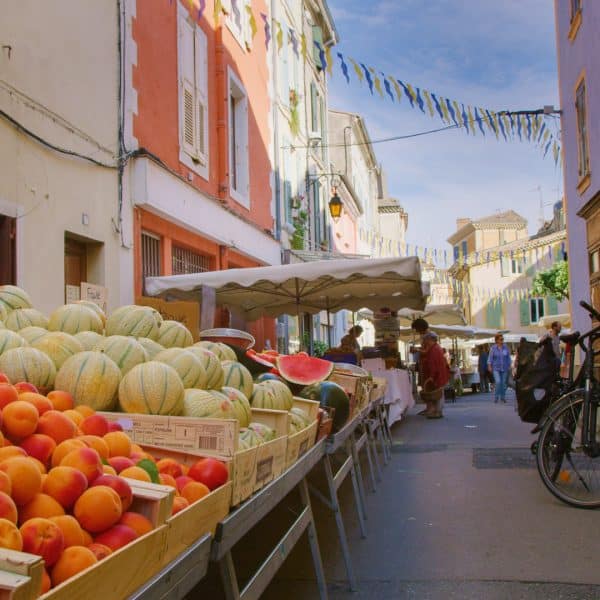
x=412 y=92
x=496 y=124
x=506 y=122
x=217 y=10
x=329 y=60
x=444 y=109
x=555 y=151
x=396 y=87
x=376 y=81
x=357 y=70
x=429 y=103
x=279 y=36
x=251 y=20
x=303 y=47
x=471 y=120
x=458 y=113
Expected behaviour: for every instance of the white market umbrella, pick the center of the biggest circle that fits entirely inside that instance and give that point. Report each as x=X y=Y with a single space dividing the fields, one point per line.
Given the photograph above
x=434 y=314
x=310 y=287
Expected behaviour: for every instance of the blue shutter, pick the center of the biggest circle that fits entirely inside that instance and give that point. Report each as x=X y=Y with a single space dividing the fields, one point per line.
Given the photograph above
x=524 y=312
x=552 y=304
x=493 y=315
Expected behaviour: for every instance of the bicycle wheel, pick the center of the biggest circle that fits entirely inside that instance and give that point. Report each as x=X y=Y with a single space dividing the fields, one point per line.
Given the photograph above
x=566 y=470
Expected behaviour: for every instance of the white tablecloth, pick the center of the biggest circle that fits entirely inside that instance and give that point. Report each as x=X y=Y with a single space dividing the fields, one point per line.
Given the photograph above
x=398 y=394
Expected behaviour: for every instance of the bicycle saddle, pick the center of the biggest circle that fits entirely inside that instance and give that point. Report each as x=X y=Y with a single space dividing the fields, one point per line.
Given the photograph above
x=570 y=338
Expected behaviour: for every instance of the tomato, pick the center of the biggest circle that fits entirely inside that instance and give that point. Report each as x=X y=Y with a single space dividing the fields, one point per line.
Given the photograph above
x=209 y=471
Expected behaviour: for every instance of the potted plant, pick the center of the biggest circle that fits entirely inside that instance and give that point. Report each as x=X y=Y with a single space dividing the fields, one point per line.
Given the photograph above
x=299 y=223
x=294 y=120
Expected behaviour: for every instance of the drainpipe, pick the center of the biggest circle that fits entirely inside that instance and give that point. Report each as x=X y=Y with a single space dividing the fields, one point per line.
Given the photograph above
x=276 y=142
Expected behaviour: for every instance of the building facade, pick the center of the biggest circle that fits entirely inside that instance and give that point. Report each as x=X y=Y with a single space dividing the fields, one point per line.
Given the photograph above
x=494 y=280
x=578 y=45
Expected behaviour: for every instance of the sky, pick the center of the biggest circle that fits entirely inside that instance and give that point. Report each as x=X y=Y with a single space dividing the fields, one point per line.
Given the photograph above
x=497 y=55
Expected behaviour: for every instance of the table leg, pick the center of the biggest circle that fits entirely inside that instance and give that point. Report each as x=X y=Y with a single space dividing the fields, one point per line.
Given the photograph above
x=229 y=577
x=369 y=457
x=373 y=445
x=359 y=477
x=360 y=507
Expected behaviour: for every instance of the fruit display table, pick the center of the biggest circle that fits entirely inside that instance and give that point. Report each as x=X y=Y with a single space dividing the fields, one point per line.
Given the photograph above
x=234 y=527
x=398 y=393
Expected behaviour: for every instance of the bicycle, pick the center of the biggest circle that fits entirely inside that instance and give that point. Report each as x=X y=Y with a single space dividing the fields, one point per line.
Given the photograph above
x=568 y=443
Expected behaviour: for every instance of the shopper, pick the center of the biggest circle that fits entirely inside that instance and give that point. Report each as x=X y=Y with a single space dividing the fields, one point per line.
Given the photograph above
x=421 y=326
x=499 y=365
x=434 y=374
x=553 y=334
x=482 y=367
x=350 y=343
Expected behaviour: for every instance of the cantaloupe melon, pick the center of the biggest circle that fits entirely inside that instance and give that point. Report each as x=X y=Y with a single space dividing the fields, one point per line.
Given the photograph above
x=151 y=347
x=31 y=334
x=92 y=378
x=187 y=364
x=240 y=404
x=223 y=351
x=125 y=351
x=25 y=317
x=237 y=376
x=89 y=339
x=13 y=297
x=207 y=404
x=136 y=321
x=2 y=325
x=173 y=334
x=93 y=306
x=284 y=398
x=263 y=397
x=28 y=364
x=73 y=318
x=212 y=366
x=152 y=388
x=3 y=311
x=59 y=346
x=9 y=340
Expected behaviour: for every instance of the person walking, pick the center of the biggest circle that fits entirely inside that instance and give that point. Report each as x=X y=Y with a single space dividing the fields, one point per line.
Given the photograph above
x=482 y=367
x=499 y=365
x=434 y=374
x=553 y=334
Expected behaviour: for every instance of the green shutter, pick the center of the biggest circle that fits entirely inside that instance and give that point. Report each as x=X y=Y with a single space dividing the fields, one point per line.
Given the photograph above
x=287 y=198
x=317 y=37
x=314 y=109
x=493 y=315
x=552 y=305
x=524 y=312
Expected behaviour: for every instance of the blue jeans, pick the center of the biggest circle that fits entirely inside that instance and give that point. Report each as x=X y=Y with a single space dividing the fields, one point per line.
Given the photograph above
x=500 y=379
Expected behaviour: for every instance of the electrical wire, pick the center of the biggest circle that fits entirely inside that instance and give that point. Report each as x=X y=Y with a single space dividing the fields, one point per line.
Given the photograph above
x=20 y=127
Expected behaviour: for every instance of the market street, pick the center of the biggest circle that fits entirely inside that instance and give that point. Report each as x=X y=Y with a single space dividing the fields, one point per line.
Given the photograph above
x=461 y=513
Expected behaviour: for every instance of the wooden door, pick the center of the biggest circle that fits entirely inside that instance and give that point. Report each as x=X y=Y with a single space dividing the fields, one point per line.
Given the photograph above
x=75 y=263
x=8 y=253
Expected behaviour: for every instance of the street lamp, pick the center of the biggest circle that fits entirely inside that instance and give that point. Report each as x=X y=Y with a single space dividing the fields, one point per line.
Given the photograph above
x=335 y=205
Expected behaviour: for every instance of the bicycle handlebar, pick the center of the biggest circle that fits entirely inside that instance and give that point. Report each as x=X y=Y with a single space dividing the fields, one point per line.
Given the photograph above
x=593 y=312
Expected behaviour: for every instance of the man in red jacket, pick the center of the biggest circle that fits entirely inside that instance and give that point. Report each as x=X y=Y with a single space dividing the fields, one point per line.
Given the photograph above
x=434 y=375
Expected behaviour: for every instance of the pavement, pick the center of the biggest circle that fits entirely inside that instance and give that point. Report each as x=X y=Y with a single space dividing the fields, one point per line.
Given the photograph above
x=461 y=513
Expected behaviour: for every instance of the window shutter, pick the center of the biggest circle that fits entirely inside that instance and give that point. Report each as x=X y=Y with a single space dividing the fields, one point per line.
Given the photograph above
x=201 y=94
x=314 y=108
x=505 y=266
x=317 y=37
x=552 y=304
x=494 y=315
x=287 y=195
x=524 y=312
x=188 y=84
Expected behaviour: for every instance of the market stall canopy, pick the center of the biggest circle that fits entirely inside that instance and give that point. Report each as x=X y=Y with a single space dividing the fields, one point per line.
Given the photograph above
x=310 y=287
x=434 y=314
x=563 y=319
x=460 y=332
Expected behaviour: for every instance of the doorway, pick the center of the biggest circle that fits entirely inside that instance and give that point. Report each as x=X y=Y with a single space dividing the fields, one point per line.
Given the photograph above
x=8 y=250
x=75 y=267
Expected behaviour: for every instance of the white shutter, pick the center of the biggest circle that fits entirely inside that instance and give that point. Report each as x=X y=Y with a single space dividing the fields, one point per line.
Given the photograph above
x=187 y=86
x=201 y=100
x=246 y=154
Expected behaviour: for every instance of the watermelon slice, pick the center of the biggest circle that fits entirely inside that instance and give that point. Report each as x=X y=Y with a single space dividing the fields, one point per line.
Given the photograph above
x=251 y=360
x=303 y=370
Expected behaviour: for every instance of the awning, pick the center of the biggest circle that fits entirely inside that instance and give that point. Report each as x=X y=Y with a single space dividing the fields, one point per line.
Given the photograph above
x=434 y=314
x=311 y=287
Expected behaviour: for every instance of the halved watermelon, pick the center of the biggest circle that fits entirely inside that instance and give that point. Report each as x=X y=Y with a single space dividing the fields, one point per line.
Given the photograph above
x=304 y=370
x=251 y=361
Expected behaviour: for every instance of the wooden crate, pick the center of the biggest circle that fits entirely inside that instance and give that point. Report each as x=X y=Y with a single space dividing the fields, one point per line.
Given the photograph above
x=116 y=576
x=214 y=437
x=271 y=457
x=301 y=442
x=356 y=386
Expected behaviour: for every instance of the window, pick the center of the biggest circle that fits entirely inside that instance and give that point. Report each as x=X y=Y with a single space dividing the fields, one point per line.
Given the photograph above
x=150 y=255
x=536 y=309
x=193 y=95
x=8 y=250
x=187 y=261
x=75 y=267
x=239 y=184
x=595 y=261
x=287 y=178
x=314 y=109
x=582 y=140
x=456 y=252
x=516 y=266
x=463 y=249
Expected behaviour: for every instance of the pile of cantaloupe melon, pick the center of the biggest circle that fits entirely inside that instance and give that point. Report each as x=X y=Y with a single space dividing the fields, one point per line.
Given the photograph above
x=132 y=360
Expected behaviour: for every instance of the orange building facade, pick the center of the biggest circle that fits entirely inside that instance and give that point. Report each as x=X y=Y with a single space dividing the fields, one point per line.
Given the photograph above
x=197 y=118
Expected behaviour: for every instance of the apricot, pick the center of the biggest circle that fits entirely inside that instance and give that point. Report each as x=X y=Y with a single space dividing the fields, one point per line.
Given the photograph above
x=64 y=448
x=118 y=463
x=179 y=503
x=114 y=426
x=168 y=480
x=25 y=386
x=65 y=485
x=94 y=425
x=182 y=481
x=108 y=470
x=8 y=508
x=61 y=400
x=85 y=410
x=4 y=378
x=58 y=426
x=10 y=536
x=120 y=486
x=19 y=419
x=42 y=505
x=8 y=394
x=87 y=537
x=72 y=561
x=116 y=537
x=75 y=416
x=5 y=484
x=100 y=550
x=39 y=446
x=118 y=443
x=71 y=530
x=194 y=490
x=87 y=460
x=11 y=450
x=25 y=478
x=139 y=523
x=40 y=402
x=39 y=464
x=97 y=443
x=44 y=538
x=98 y=508
x=46 y=581
x=136 y=473
x=169 y=467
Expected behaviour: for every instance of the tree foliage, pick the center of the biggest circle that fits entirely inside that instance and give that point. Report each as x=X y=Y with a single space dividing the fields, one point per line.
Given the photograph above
x=553 y=281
